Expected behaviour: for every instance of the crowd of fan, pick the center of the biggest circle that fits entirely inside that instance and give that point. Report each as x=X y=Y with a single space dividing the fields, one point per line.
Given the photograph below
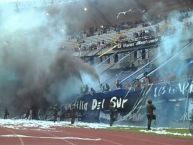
x=119 y=38
x=142 y=33
x=105 y=29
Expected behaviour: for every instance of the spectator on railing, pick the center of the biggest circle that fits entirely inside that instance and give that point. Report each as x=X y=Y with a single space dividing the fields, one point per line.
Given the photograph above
x=146 y=80
x=102 y=87
x=137 y=84
x=85 y=89
x=129 y=87
x=107 y=87
x=92 y=90
x=118 y=84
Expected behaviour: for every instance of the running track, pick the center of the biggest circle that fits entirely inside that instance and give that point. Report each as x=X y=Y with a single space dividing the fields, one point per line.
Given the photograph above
x=82 y=136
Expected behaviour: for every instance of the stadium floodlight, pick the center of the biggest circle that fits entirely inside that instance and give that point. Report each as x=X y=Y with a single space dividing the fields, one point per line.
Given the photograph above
x=85 y=9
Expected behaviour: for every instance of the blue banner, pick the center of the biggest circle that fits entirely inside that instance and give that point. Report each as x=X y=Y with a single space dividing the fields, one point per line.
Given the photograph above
x=170 y=100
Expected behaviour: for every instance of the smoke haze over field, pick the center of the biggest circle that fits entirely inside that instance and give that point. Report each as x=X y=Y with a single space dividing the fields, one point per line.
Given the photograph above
x=33 y=69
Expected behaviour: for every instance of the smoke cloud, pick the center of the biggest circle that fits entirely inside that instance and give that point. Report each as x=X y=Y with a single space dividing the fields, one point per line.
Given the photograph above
x=176 y=33
x=34 y=71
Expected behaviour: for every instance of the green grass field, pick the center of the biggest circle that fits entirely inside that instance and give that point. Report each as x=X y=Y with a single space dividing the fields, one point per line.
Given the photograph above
x=172 y=132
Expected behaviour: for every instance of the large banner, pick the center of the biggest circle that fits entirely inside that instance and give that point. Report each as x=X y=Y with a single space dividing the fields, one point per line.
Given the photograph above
x=146 y=42
x=170 y=99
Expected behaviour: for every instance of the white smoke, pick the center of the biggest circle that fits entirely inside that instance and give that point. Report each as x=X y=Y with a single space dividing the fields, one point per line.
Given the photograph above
x=33 y=70
x=175 y=35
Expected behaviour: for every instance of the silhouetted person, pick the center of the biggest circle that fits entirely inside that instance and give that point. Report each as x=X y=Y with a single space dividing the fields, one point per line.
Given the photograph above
x=137 y=84
x=107 y=87
x=118 y=84
x=30 y=114
x=35 y=110
x=55 y=112
x=150 y=113
x=92 y=91
x=112 y=114
x=27 y=113
x=6 y=114
x=86 y=89
x=73 y=114
x=147 y=80
x=101 y=87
